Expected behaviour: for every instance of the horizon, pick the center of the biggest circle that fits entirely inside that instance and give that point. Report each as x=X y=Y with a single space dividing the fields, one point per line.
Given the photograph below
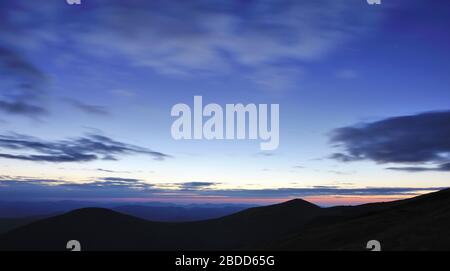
x=170 y=202
x=86 y=99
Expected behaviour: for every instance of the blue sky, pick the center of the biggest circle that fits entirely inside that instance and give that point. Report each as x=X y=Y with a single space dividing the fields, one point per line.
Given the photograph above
x=86 y=93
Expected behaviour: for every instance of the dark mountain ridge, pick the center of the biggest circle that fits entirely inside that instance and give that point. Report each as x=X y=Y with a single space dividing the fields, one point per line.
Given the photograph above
x=177 y=213
x=419 y=223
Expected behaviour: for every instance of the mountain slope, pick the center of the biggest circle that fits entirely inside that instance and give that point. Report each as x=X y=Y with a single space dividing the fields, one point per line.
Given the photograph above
x=103 y=229
x=419 y=223
x=176 y=213
x=7 y=224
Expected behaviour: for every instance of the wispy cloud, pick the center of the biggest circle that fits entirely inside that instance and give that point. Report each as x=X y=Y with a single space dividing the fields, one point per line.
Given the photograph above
x=21 y=85
x=88 y=108
x=111 y=171
x=200 y=37
x=19 y=188
x=441 y=167
x=196 y=185
x=83 y=149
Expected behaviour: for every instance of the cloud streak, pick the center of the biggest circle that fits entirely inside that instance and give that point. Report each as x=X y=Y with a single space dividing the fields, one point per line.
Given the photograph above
x=88 y=108
x=201 y=37
x=113 y=187
x=441 y=167
x=20 y=188
x=83 y=149
x=21 y=87
x=197 y=185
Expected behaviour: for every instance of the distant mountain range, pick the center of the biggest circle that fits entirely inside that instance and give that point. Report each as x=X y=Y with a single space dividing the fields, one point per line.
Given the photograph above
x=420 y=223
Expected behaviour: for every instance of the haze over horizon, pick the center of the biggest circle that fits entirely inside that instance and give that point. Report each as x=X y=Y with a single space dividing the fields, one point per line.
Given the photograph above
x=86 y=92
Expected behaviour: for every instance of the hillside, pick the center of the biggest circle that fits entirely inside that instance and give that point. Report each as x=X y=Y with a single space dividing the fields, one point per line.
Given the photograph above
x=419 y=223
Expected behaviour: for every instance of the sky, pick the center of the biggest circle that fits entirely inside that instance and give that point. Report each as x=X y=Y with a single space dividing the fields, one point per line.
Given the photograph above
x=86 y=93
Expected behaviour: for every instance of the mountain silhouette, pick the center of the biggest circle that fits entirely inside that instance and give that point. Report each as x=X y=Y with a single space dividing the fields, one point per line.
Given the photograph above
x=7 y=224
x=16 y=213
x=104 y=229
x=177 y=213
x=419 y=223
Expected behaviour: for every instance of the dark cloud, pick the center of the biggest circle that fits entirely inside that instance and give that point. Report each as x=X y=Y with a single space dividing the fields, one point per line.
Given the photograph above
x=21 y=89
x=83 y=149
x=74 y=157
x=8 y=181
x=14 y=64
x=89 y=108
x=124 y=184
x=441 y=167
x=22 y=108
x=416 y=139
x=19 y=188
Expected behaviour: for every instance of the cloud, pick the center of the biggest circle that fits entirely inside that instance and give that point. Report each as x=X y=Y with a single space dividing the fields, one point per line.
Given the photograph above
x=121 y=181
x=8 y=181
x=196 y=185
x=198 y=37
x=319 y=191
x=21 y=86
x=416 y=139
x=111 y=171
x=18 y=188
x=441 y=167
x=14 y=64
x=22 y=108
x=119 y=185
x=83 y=149
x=88 y=108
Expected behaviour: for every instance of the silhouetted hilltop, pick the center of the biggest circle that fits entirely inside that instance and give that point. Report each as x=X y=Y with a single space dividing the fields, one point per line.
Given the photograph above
x=419 y=223
x=177 y=213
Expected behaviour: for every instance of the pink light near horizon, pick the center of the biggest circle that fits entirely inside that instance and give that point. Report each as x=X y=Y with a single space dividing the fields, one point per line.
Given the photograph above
x=327 y=201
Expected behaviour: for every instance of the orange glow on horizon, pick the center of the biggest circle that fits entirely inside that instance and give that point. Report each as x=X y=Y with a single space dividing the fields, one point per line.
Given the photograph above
x=353 y=200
